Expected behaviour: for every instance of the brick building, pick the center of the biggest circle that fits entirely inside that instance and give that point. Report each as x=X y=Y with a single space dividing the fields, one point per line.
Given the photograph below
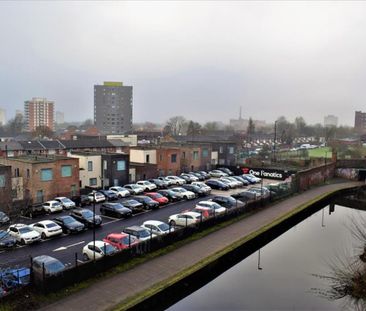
x=5 y=188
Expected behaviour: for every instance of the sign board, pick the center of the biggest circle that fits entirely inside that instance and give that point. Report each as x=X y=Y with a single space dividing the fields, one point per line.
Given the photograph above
x=267 y=173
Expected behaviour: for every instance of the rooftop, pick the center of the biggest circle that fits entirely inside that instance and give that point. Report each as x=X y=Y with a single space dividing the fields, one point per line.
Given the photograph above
x=38 y=158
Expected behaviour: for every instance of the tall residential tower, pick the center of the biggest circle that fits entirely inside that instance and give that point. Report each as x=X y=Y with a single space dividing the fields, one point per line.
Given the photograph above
x=38 y=112
x=113 y=108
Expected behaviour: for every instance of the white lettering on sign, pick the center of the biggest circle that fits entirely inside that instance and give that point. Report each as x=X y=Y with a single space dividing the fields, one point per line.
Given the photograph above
x=263 y=173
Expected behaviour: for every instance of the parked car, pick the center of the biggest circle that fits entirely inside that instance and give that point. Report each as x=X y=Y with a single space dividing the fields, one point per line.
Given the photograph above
x=82 y=200
x=226 y=171
x=14 y=278
x=238 y=182
x=133 y=205
x=109 y=195
x=134 y=189
x=185 y=219
x=195 y=189
x=215 y=207
x=47 y=228
x=186 y=195
x=203 y=186
x=141 y=233
x=97 y=249
x=167 y=180
x=147 y=185
x=45 y=265
x=170 y=195
x=66 y=202
x=251 y=178
x=4 y=219
x=87 y=217
x=186 y=178
x=115 y=210
x=176 y=180
x=120 y=191
x=241 y=179
x=6 y=240
x=157 y=227
x=98 y=196
x=160 y=184
x=69 y=224
x=245 y=196
x=198 y=175
x=217 y=173
x=262 y=191
x=227 y=201
x=204 y=174
x=191 y=177
x=24 y=234
x=158 y=197
x=52 y=206
x=217 y=184
x=121 y=240
x=230 y=183
x=146 y=201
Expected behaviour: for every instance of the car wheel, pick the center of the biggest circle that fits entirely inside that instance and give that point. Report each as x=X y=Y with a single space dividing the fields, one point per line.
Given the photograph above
x=85 y=257
x=43 y=236
x=185 y=197
x=22 y=242
x=172 y=223
x=67 y=231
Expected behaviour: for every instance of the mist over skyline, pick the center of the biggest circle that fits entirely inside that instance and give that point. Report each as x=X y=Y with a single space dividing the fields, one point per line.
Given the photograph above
x=202 y=60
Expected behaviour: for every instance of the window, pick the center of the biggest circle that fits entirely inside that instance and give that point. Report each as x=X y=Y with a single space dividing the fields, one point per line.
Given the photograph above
x=92 y=181
x=2 y=181
x=90 y=166
x=174 y=158
x=204 y=153
x=28 y=173
x=147 y=158
x=161 y=157
x=121 y=165
x=39 y=196
x=66 y=171
x=73 y=190
x=231 y=150
x=16 y=172
x=184 y=155
x=195 y=155
x=46 y=174
x=221 y=149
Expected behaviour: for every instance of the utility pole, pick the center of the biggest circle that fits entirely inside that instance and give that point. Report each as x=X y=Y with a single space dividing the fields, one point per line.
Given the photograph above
x=274 y=142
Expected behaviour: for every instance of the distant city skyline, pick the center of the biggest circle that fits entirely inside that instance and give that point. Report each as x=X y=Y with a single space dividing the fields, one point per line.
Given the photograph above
x=201 y=60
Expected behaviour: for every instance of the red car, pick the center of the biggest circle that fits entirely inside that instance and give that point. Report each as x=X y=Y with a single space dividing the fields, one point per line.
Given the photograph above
x=121 y=240
x=158 y=198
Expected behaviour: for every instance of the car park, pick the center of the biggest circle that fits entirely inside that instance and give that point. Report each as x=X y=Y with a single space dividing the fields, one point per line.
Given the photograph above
x=4 y=219
x=69 y=224
x=52 y=207
x=66 y=202
x=115 y=210
x=96 y=197
x=24 y=234
x=6 y=240
x=44 y=266
x=185 y=219
x=157 y=227
x=82 y=200
x=215 y=207
x=147 y=185
x=160 y=184
x=226 y=171
x=121 y=240
x=87 y=217
x=146 y=201
x=120 y=191
x=162 y=200
x=141 y=233
x=227 y=201
x=47 y=228
x=109 y=195
x=97 y=250
x=217 y=174
x=133 y=205
x=195 y=189
x=217 y=184
x=170 y=195
x=185 y=194
x=175 y=180
x=134 y=189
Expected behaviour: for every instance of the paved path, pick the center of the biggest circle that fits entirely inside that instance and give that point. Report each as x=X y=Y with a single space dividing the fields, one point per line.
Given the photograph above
x=109 y=292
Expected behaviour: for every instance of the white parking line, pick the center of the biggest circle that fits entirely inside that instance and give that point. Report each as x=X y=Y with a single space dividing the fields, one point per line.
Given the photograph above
x=80 y=261
x=104 y=216
x=110 y=222
x=68 y=246
x=25 y=217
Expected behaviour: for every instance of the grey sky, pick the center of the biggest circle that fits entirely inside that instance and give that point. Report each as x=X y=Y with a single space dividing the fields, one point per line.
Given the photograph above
x=201 y=60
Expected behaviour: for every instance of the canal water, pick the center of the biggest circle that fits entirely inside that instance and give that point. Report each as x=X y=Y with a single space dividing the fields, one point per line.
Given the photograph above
x=280 y=276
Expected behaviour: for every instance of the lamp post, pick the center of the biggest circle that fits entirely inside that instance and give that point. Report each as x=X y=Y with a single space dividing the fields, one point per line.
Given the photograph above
x=259 y=260
x=274 y=142
x=94 y=225
x=262 y=184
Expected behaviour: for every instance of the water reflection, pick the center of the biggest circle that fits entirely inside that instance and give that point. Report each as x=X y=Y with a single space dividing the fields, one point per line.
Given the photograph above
x=280 y=276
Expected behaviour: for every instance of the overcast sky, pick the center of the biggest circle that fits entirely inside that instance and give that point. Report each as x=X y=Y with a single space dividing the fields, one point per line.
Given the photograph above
x=202 y=60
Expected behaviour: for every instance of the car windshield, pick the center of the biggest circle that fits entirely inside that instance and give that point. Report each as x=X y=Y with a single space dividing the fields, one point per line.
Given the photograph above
x=118 y=188
x=157 y=196
x=108 y=249
x=132 y=202
x=143 y=233
x=68 y=220
x=118 y=206
x=65 y=200
x=25 y=230
x=2 y=215
x=87 y=214
x=163 y=227
x=54 y=266
x=148 y=200
x=3 y=234
x=128 y=239
x=216 y=206
x=51 y=225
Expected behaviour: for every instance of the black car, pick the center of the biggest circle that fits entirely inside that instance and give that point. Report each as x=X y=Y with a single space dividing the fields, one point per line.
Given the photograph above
x=115 y=210
x=227 y=201
x=226 y=170
x=161 y=184
x=217 y=184
x=109 y=195
x=170 y=195
x=133 y=205
x=187 y=178
x=69 y=224
x=6 y=240
x=204 y=174
x=146 y=201
x=4 y=219
x=198 y=175
x=82 y=200
x=241 y=179
x=87 y=217
x=245 y=196
x=197 y=190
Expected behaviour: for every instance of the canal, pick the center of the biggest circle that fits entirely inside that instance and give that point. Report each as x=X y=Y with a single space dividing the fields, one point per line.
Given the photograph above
x=280 y=276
